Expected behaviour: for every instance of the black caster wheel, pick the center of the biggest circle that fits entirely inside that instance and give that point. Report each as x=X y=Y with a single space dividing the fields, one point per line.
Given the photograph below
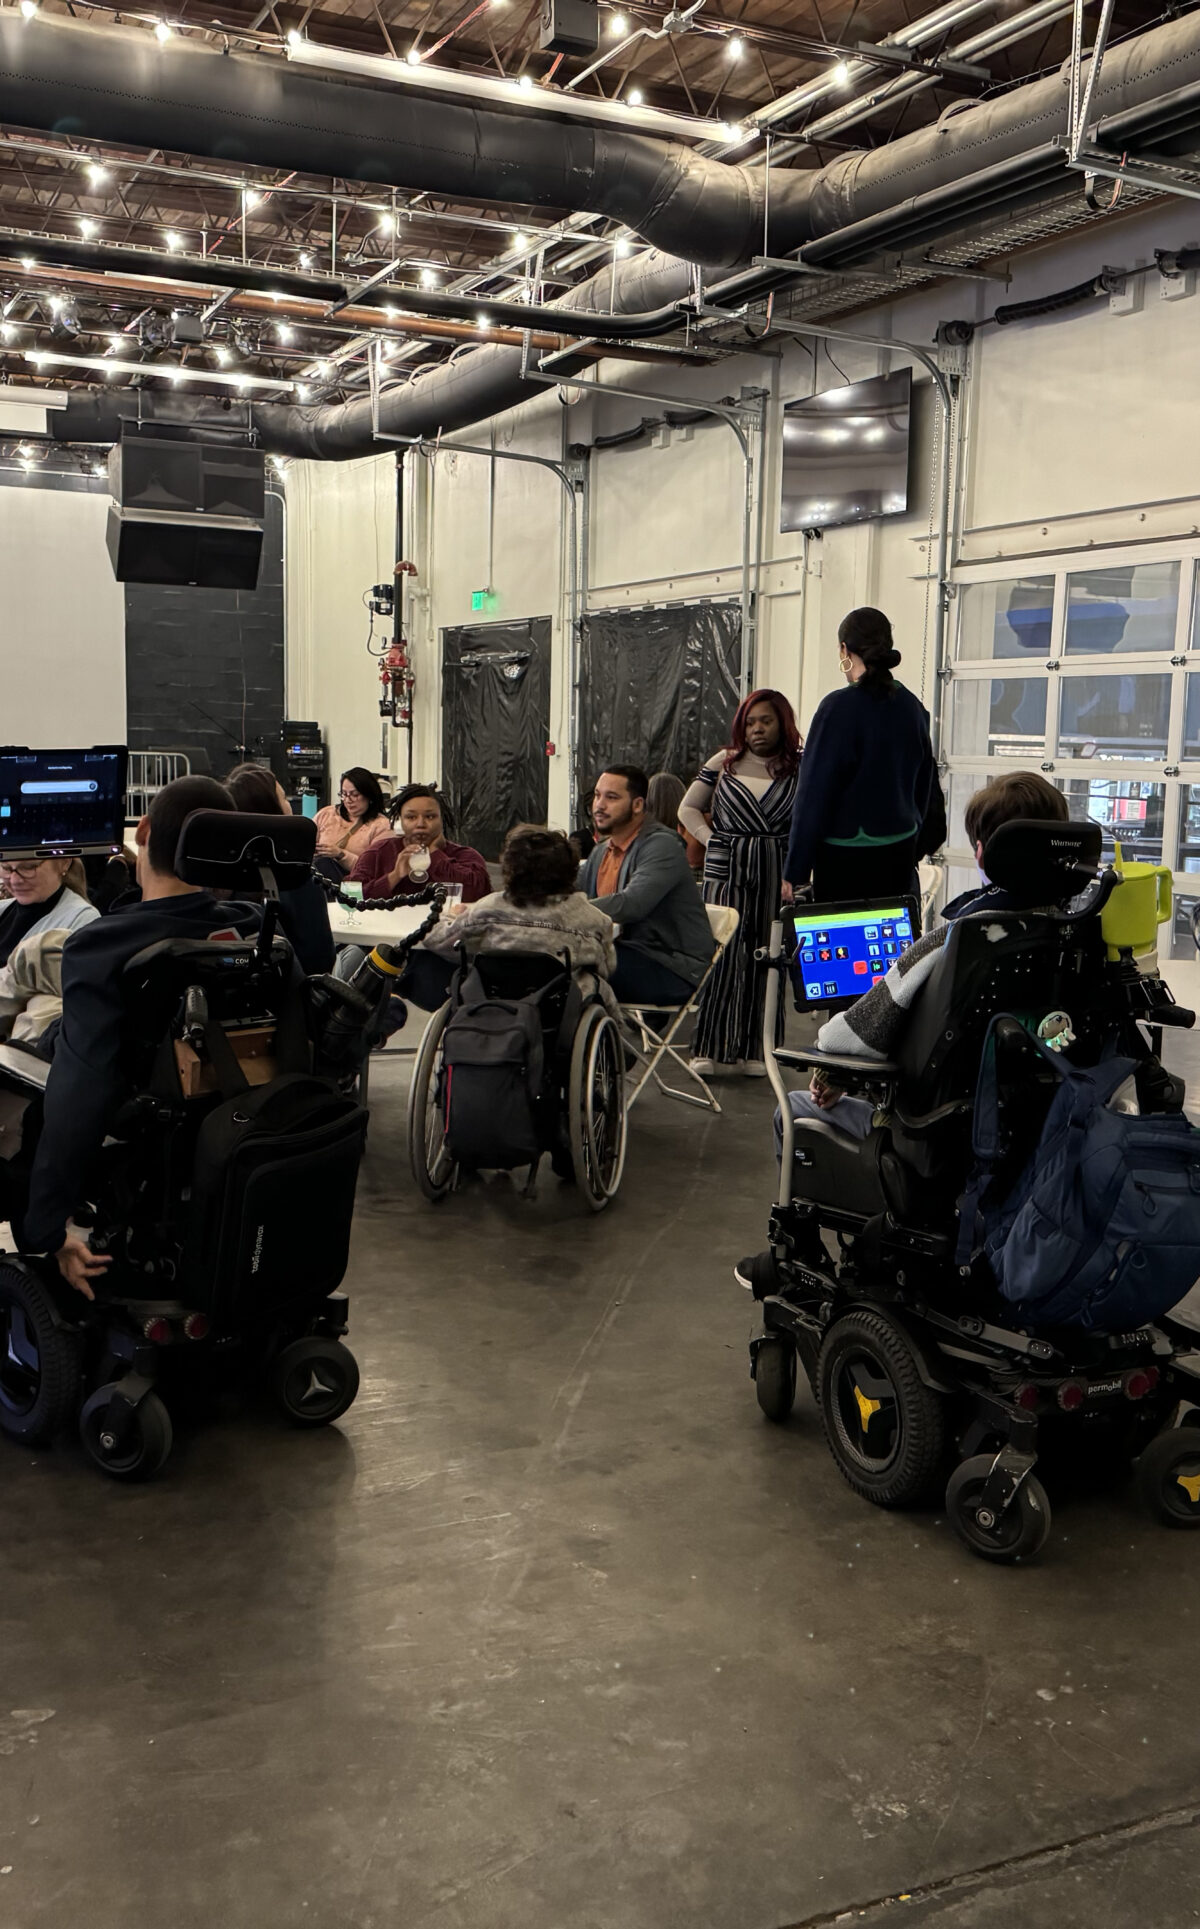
x=885 y=1427
x=314 y=1381
x=775 y=1378
x=126 y=1443
x=39 y=1362
x=1169 y=1477
x=1017 y=1533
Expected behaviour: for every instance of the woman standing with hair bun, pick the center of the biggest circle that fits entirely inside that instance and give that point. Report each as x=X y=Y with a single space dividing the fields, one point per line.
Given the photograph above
x=868 y=805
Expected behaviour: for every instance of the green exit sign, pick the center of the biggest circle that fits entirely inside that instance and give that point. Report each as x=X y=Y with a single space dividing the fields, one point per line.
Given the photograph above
x=483 y=600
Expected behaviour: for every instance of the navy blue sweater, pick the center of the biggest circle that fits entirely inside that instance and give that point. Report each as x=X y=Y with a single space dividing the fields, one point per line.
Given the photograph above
x=867 y=774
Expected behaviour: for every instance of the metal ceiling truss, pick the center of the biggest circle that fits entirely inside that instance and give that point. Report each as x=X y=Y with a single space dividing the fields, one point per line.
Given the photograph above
x=1106 y=151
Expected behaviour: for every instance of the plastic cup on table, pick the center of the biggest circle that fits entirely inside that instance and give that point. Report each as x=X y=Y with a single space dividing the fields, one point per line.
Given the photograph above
x=453 y=895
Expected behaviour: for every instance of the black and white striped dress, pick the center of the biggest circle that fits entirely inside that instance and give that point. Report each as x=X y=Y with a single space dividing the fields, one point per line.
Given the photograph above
x=743 y=866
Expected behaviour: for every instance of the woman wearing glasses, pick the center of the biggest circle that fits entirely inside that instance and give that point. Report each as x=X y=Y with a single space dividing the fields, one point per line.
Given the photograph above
x=42 y=900
x=348 y=828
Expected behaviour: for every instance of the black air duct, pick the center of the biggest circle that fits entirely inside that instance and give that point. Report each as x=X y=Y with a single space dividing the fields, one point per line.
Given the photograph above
x=998 y=157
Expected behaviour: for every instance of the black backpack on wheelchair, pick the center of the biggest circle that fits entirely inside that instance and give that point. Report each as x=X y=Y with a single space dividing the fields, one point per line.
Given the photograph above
x=873 y=1283
x=224 y=1193
x=519 y=1064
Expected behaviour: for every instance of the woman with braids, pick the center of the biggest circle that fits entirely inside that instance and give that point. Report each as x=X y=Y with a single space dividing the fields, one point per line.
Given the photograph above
x=868 y=804
x=739 y=808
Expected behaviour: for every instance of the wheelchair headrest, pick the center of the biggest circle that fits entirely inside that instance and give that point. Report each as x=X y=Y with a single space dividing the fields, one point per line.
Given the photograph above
x=230 y=850
x=1042 y=861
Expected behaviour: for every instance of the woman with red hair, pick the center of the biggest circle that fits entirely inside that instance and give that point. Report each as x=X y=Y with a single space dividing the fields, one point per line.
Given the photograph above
x=740 y=808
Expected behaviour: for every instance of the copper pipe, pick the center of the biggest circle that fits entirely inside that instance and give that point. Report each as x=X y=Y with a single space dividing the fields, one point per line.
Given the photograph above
x=286 y=307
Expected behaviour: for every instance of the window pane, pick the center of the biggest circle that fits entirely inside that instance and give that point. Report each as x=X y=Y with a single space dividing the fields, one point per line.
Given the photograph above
x=1189 y=830
x=1112 y=612
x=1191 y=718
x=1125 y=809
x=1000 y=717
x=1114 y=717
x=963 y=785
x=1005 y=619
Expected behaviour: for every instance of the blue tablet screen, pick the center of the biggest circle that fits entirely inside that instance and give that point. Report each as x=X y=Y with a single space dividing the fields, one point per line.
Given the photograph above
x=840 y=952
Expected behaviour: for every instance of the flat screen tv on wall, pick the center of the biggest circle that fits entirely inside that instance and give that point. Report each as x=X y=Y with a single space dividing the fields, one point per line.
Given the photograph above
x=845 y=453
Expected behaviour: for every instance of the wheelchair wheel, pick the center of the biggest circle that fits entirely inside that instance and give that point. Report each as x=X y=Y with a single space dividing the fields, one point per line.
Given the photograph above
x=596 y=1107
x=39 y=1361
x=884 y=1426
x=314 y=1381
x=432 y=1167
x=1017 y=1533
x=1168 y=1476
x=126 y=1443
x=775 y=1378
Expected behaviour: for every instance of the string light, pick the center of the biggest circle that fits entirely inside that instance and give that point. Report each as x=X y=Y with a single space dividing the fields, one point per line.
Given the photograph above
x=28 y=9
x=735 y=46
x=428 y=278
x=87 y=227
x=618 y=24
x=840 y=74
x=635 y=97
x=96 y=174
x=174 y=240
x=162 y=33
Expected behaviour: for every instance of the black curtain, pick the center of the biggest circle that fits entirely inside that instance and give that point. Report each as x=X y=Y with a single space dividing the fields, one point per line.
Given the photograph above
x=204 y=667
x=657 y=687
x=495 y=725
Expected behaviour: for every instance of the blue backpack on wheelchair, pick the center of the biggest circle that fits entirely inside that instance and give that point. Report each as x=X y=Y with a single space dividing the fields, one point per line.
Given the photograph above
x=1102 y=1227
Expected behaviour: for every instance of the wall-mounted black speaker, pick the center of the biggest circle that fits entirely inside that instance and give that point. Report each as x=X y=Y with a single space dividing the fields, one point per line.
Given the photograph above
x=569 y=26
x=207 y=552
x=185 y=512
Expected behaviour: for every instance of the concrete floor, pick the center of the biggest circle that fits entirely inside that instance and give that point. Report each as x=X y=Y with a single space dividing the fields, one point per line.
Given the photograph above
x=555 y=1632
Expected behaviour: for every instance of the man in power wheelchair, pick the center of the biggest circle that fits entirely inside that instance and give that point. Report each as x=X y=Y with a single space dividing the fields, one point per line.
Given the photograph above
x=193 y=1180
x=877 y=1280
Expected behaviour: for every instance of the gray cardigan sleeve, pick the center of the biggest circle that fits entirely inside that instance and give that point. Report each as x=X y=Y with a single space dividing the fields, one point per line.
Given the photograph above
x=658 y=871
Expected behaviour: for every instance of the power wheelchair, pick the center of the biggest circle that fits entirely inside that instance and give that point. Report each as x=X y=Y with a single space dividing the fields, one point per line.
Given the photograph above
x=237 y=1118
x=917 y=1364
x=579 y=1107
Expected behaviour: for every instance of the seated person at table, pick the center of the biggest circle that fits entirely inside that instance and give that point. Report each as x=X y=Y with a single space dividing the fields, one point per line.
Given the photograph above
x=386 y=871
x=46 y=901
x=874 y=1024
x=87 y=1083
x=303 y=912
x=638 y=875
x=348 y=828
x=539 y=909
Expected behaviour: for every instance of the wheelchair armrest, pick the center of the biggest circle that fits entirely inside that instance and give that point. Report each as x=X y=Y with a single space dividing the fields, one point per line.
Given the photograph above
x=922 y=1123
x=843 y=1063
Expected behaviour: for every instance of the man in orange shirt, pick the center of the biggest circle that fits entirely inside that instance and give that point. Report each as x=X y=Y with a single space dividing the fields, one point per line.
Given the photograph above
x=639 y=875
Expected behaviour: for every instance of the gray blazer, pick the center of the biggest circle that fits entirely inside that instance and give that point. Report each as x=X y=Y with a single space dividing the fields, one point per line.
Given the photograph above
x=656 y=902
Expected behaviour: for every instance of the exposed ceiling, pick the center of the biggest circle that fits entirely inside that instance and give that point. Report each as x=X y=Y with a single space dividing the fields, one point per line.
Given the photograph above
x=731 y=61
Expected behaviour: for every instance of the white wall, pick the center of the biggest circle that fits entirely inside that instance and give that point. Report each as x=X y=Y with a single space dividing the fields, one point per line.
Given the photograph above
x=1087 y=415
x=62 y=620
x=341 y=523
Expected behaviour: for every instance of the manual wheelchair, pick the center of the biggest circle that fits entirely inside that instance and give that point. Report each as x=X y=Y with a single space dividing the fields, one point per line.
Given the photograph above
x=917 y=1364
x=235 y=1127
x=579 y=1108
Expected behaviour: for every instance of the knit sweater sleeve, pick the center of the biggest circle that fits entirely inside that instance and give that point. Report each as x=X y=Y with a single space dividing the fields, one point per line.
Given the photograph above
x=874 y=1024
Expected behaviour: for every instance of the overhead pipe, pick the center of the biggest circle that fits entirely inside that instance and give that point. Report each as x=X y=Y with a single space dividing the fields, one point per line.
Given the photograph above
x=989 y=158
x=113 y=84
x=917 y=33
